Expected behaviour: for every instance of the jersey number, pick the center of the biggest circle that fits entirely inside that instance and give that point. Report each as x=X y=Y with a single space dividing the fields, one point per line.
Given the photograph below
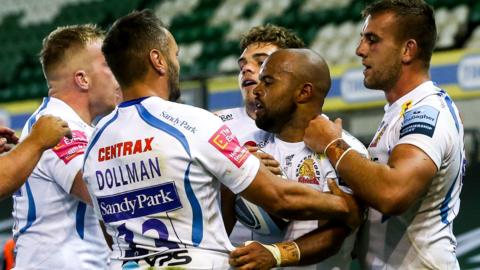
x=149 y=224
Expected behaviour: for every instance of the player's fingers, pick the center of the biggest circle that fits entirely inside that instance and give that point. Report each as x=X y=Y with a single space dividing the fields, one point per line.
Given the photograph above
x=237 y=261
x=248 y=266
x=334 y=188
x=239 y=251
x=251 y=149
x=338 y=122
x=275 y=170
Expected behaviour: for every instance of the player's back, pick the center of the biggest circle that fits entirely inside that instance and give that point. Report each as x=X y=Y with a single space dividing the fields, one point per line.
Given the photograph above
x=52 y=229
x=152 y=167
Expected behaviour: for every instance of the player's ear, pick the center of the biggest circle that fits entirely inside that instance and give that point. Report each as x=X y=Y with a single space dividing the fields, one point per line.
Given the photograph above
x=158 y=61
x=410 y=51
x=81 y=79
x=305 y=93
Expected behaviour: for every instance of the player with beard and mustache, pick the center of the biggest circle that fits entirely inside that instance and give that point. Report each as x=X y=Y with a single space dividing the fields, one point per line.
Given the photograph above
x=413 y=182
x=292 y=89
x=256 y=45
x=154 y=167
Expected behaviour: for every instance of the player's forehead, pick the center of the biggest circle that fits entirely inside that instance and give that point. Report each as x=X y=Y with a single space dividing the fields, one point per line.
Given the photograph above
x=258 y=49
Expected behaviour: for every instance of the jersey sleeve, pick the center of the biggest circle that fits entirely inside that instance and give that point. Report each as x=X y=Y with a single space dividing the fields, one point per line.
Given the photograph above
x=427 y=128
x=66 y=159
x=223 y=156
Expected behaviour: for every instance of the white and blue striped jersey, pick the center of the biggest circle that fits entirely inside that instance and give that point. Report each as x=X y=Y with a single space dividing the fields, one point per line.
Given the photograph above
x=422 y=237
x=52 y=229
x=299 y=163
x=154 y=169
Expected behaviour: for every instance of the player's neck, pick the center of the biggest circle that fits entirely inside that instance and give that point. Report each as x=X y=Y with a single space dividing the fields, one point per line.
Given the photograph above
x=293 y=130
x=144 y=89
x=408 y=81
x=76 y=100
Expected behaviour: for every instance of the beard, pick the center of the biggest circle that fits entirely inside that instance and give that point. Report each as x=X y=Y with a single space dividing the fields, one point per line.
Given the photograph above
x=173 y=82
x=384 y=80
x=274 y=122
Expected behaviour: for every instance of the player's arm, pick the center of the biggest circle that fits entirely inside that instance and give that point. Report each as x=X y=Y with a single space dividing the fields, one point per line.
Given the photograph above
x=79 y=189
x=16 y=166
x=310 y=248
x=228 y=197
x=390 y=188
x=313 y=247
x=293 y=200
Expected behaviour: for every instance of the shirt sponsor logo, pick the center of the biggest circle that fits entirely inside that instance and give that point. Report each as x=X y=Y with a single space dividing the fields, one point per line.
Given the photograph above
x=421 y=120
x=68 y=149
x=139 y=203
x=226 y=117
x=125 y=149
x=224 y=141
x=179 y=122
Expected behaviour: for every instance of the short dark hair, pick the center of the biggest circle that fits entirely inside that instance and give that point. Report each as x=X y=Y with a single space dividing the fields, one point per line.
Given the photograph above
x=64 y=39
x=282 y=37
x=416 y=21
x=128 y=44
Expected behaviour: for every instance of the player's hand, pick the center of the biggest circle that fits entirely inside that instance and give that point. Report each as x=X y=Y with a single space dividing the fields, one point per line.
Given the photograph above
x=7 y=136
x=321 y=131
x=356 y=216
x=252 y=256
x=49 y=130
x=267 y=160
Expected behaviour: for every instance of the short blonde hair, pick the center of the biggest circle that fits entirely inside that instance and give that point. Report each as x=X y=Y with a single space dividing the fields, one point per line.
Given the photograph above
x=63 y=39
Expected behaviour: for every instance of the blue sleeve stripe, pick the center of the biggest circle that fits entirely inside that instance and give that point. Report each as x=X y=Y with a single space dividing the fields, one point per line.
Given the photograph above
x=80 y=219
x=96 y=136
x=451 y=108
x=197 y=223
x=33 y=117
x=448 y=197
x=32 y=212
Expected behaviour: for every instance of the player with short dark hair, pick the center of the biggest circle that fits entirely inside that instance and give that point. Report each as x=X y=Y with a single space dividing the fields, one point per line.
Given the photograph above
x=413 y=182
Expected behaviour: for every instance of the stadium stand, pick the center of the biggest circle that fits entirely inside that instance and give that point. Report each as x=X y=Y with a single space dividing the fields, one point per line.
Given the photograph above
x=206 y=30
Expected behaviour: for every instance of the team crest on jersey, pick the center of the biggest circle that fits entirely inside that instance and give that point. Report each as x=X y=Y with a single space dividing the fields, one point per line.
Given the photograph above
x=226 y=142
x=68 y=149
x=379 y=135
x=308 y=171
x=421 y=120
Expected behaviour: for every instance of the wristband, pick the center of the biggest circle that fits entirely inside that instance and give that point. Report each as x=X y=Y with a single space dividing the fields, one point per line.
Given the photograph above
x=289 y=253
x=329 y=144
x=285 y=254
x=340 y=158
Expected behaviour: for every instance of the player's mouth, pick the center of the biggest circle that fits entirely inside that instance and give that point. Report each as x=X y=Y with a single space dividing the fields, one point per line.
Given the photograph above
x=259 y=108
x=366 y=68
x=248 y=82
